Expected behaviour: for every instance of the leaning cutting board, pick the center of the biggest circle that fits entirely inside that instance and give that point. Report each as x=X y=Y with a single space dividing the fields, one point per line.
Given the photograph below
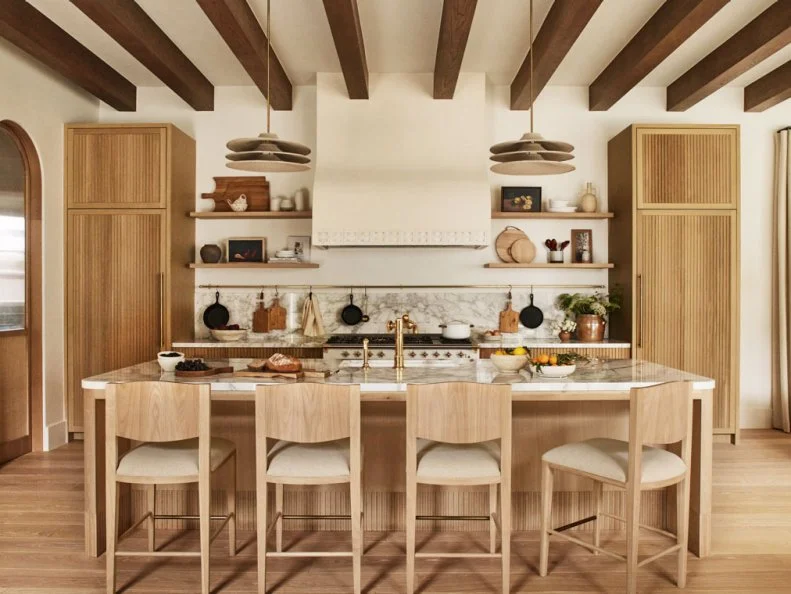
x=261 y=316
x=509 y=319
x=523 y=250
x=277 y=315
x=205 y=372
x=503 y=242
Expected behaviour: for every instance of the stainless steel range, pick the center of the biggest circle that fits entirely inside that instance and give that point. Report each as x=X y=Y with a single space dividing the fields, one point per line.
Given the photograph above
x=417 y=347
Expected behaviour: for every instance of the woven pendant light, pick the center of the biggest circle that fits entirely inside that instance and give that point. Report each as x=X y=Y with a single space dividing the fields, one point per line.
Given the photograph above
x=266 y=153
x=532 y=154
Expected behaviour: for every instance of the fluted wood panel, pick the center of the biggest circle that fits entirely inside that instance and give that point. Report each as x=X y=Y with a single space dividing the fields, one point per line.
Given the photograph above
x=614 y=353
x=116 y=167
x=114 y=267
x=694 y=167
x=249 y=352
x=689 y=314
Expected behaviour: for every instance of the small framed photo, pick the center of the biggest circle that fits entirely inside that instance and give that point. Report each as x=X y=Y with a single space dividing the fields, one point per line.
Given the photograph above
x=520 y=199
x=581 y=246
x=246 y=249
x=301 y=246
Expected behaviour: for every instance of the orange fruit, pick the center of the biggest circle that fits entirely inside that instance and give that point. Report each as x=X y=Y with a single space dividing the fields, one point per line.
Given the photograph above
x=553 y=359
x=543 y=359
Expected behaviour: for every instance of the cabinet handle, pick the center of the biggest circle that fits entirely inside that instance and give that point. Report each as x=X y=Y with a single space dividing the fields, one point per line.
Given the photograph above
x=161 y=310
x=640 y=314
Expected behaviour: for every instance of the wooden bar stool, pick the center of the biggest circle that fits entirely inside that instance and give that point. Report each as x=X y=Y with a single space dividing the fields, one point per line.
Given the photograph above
x=658 y=415
x=173 y=422
x=316 y=434
x=452 y=433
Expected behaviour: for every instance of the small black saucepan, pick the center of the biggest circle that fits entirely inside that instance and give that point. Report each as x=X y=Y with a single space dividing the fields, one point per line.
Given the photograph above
x=216 y=314
x=351 y=314
x=531 y=316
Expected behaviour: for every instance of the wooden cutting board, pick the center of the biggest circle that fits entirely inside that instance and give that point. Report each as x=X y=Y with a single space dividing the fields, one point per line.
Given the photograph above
x=503 y=242
x=523 y=251
x=277 y=315
x=261 y=316
x=509 y=319
x=204 y=373
x=270 y=374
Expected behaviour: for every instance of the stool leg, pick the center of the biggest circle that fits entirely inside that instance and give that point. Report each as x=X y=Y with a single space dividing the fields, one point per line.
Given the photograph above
x=204 y=505
x=279 y=510
x=111 y=532
x=357 y=530
x=505 y=531
x=151 y=497
x=597 y=496
x=411 y=527
x=632 y=535
x=492 y=511
x=682 y=529
x=260 y=508
x=231 y=499
x=546 y=516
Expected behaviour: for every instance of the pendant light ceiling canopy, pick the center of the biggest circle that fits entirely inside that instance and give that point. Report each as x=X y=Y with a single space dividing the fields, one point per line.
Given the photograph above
x=532 y=154
x=266 y=153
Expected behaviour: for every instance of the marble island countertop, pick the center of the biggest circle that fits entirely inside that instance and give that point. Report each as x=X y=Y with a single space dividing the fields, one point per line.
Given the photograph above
x=606 y=376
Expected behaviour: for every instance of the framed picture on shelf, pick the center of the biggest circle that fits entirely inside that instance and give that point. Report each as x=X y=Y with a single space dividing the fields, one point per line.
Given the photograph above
x=301 y=246
x=581 y=246
x=520 y=199
x=246 y=249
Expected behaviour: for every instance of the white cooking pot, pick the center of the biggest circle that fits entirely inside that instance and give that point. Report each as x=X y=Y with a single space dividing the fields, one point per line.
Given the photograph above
x=456 y=330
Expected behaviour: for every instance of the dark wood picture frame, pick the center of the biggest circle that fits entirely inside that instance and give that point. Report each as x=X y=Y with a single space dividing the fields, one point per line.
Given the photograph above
x=241 y=250
x=581 y=239
x=520 y=199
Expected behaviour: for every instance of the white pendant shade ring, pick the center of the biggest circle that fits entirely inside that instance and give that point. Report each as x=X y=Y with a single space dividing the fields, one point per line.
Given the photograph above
x=266 y=153
x=532 y=154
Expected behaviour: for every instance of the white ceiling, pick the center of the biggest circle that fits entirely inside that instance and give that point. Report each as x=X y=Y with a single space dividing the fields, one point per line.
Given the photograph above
x=401 y=36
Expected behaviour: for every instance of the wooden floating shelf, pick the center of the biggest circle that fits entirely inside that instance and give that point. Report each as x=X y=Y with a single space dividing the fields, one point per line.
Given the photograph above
x=591 y=266
x=254 y=214
x=552 y=215
x=269 y=265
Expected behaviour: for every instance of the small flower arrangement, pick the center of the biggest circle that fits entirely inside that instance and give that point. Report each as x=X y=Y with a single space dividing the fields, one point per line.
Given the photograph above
x=598 y=304
x=564 y=325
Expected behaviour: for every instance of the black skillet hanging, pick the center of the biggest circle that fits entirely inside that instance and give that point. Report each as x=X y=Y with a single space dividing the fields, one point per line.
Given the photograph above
x=531 y=316
x=216 y=314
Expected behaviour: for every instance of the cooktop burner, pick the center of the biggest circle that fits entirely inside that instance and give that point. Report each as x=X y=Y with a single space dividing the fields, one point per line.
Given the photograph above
x=388 y=340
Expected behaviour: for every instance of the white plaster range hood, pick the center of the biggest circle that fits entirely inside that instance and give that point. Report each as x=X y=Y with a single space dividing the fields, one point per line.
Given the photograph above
x=401 y=169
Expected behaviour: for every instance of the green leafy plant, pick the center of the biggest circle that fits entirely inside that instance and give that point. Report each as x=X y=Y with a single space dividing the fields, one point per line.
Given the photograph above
x=597 y=304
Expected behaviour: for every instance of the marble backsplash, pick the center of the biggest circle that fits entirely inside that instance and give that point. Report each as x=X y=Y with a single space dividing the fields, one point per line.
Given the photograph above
x=428 y=309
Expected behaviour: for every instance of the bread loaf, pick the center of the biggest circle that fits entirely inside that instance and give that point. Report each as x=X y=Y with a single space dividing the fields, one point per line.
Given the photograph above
x=283 y=363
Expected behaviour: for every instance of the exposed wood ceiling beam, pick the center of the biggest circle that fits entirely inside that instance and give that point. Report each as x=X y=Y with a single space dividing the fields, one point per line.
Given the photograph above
x=767 y=33
x=239 y=27
x=35 y=34
x=671 y=25
x=454 y=29
x=127 y=23
x=769 y=90
x=563 y=25
x=344 y=22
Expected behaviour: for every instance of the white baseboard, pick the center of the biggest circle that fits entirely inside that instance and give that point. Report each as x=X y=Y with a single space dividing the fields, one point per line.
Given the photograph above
x=756 y=417
x=56 y=435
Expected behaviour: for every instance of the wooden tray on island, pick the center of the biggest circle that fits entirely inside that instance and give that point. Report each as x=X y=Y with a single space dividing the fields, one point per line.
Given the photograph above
x=305 y=373
x=205 y=372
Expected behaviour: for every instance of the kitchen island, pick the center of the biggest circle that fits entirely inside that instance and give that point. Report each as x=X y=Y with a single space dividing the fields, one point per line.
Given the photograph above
x=593 y=402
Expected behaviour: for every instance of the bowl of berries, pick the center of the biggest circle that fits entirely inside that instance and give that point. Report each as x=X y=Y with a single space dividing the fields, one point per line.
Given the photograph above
x=229 y=333
x=169 y=359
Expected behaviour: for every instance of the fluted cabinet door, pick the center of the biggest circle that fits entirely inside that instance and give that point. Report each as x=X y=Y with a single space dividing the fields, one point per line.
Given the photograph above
x=114 y=292
x=687 y=300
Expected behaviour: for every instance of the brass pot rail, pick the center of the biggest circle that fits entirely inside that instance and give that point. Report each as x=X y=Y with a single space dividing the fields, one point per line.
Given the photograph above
x=315 y=287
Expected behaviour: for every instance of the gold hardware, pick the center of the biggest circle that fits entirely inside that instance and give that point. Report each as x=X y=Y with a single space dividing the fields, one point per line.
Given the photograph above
x=398 y=326
x=366 y=355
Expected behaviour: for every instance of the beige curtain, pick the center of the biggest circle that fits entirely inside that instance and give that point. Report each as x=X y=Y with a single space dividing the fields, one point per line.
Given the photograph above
x=781 y=285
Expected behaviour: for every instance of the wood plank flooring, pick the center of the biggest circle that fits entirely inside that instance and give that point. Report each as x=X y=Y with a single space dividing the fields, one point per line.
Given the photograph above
x=41 y=548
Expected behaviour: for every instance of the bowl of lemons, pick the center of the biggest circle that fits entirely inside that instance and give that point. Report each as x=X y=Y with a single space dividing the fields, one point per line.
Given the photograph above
x=510 y=360
x=554 y=366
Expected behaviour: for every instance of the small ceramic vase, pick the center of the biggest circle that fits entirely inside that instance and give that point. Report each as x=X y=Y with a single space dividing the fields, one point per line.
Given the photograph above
x=589 y=202
x=210 y=253
x=301 y=199
x=238 y=205
x=207 y=205
x=556 y=257
x=274 y=204
x=564 y=336
x=286 y=204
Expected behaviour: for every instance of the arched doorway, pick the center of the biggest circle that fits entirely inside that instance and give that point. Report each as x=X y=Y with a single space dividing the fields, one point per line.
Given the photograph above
x=21 y=373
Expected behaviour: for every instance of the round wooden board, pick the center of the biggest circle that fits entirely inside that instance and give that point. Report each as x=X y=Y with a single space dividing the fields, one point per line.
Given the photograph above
x=503 y=242
x=523 y=251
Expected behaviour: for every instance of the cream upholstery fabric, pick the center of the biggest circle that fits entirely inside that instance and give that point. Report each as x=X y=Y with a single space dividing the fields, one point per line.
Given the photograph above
x=172 y=458
x=609 y=458
x=309 y=460
x=457 y=461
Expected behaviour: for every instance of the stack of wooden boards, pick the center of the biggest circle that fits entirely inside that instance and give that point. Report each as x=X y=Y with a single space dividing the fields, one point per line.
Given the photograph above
x=514 y=246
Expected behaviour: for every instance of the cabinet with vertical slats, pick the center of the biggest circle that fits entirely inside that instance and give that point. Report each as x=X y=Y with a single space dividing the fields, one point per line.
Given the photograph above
x=675 y=245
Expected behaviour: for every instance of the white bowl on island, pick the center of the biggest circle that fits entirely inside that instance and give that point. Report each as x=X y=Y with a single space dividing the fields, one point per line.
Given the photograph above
x=553 y=371
x=169 y=359
x=508 y=363
x=228 y=335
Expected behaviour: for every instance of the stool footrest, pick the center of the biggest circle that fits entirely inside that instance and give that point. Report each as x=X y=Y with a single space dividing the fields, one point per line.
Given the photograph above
x=652 y=558
x=458 y=555
x=315 y=517
x=587 y=545
x=644 y=526
x=575 y=524
x=307 y=554
x=156 y=554
x=463 y=518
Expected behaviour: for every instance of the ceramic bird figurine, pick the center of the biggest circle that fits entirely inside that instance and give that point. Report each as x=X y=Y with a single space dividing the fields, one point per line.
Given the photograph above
x=238 y=205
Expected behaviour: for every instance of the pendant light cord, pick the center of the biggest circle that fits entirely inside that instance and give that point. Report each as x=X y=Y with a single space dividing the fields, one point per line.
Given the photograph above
x=532 y=100
x=268 y=46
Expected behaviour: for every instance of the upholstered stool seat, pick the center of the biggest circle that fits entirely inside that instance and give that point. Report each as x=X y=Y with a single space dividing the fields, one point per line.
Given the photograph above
x=439 y=460
x=309 y=460
x=172 y=458
x=609 y=459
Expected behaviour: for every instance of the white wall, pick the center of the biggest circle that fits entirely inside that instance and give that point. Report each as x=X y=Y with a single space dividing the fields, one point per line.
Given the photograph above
x=42 y=103
x=561 y=114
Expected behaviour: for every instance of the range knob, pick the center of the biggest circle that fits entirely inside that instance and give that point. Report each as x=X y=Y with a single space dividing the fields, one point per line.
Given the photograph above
x=345 y=354
x=448 y=355
x=357 y=354
x=412 y=354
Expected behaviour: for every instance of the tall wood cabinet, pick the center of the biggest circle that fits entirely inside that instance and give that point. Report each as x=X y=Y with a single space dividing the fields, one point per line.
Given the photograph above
x=675 y=244
x=129 y=290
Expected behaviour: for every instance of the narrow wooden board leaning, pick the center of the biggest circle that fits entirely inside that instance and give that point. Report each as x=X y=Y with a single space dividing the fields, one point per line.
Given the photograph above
x=205 y=372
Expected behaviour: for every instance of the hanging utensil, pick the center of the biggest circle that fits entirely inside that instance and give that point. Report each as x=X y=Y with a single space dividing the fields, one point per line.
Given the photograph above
x=366 y=317
x=216 y=314
x=531 y=316
x=261 y=316
x=509 y=319
x=277 y=314
x=351 y=315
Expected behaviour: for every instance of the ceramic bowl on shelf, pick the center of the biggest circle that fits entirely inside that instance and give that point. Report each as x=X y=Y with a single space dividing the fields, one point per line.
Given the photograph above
x=553 y=371
x=508 y=363
x=228 y=335
x=169 y=359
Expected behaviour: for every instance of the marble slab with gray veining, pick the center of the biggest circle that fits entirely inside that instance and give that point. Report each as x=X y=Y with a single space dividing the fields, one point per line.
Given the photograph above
x=604 y=376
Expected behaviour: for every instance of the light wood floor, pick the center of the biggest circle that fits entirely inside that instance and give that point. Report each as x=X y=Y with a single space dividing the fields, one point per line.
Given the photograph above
x=41 y=548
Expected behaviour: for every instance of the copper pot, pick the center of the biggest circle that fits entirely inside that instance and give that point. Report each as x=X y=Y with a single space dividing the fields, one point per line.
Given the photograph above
x=590 y=328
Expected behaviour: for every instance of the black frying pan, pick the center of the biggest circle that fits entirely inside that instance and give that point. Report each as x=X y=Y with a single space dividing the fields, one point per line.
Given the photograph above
x=216 y=314
x=531 y=316
x=351 y=314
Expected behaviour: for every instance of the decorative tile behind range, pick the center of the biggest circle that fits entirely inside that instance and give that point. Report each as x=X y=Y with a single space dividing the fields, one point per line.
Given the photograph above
x=429 y=310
